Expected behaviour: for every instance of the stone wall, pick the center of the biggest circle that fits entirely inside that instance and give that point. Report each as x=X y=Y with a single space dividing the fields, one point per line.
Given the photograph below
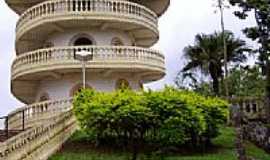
x=259 y=134
x=251 y=107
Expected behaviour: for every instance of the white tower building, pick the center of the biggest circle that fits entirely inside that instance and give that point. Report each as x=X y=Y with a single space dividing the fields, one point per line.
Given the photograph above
x=117 y=33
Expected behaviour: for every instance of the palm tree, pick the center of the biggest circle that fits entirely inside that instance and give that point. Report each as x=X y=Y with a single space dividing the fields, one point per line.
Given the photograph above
x=207 y=55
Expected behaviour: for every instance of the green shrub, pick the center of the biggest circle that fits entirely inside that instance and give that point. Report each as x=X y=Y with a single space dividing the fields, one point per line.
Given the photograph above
x=169 y=117
x=186 y=116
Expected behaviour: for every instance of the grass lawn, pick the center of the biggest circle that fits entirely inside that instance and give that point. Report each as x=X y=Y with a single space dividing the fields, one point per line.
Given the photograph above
x=224 y=151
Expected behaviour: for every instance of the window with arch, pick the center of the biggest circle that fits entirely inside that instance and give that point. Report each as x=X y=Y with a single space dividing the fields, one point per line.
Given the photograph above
x=117 y=42
x=122 y=84
x=82 y=40
x=77 y=88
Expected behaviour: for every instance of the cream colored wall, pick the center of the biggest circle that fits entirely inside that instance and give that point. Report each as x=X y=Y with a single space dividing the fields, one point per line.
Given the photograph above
x=60 y=89
x=101 y=37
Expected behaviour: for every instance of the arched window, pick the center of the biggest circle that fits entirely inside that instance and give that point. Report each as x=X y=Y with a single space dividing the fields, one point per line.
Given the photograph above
x=117 y=42
x=122 y=84
x=77 y=88
x=44 y=97
x=82 y=40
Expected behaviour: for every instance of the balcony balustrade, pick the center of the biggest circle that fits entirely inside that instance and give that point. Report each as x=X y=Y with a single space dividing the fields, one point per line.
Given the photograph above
x=37 y=114
x=104 y=57
x=99 y=10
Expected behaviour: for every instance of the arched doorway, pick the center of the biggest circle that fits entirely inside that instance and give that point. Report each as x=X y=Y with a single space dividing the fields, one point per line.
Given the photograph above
x=83 y=41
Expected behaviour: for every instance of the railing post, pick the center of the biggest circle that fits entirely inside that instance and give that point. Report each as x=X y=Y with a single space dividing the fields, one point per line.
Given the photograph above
x=6 y=127
x=23 y=122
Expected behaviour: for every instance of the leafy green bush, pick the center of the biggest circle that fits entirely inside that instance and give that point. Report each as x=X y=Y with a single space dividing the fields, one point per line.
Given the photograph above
x=186 y=117
x=169 y=117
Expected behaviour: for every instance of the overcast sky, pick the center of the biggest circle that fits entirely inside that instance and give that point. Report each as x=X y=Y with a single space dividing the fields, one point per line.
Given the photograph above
x=178 y=26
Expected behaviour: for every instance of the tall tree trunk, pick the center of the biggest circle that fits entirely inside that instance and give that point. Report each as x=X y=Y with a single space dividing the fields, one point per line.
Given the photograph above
x=216 y=86
x=213 y=69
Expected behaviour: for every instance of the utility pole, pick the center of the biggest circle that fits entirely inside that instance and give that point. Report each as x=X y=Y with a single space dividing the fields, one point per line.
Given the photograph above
x=221 y=9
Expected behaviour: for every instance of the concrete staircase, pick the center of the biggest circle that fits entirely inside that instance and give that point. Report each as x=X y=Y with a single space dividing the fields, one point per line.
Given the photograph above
x=5 y=135
x=37 y=131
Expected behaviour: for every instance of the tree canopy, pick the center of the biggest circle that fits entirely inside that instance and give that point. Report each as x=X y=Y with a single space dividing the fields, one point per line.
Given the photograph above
x=259 y=33
x=207 y=57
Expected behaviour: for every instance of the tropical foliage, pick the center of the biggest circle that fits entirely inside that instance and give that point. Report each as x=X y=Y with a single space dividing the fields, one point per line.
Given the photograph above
x=166 y=118
x=246 y=82
x=259 y=33
x=207 y=56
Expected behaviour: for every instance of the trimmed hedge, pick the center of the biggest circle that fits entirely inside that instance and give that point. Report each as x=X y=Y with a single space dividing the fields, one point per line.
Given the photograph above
x=169 y=117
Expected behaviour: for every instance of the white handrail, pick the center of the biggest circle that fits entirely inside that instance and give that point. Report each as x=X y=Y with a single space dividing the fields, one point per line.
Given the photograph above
x=37 y=113
x=65 y=7
x=32 y=139
x=101 y=55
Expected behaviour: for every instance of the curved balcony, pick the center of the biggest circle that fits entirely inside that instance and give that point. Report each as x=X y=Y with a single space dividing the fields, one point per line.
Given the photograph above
x=29 y=68
x=20 y=6
x=158 y=6
x=36 y=23
x=103 y=57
